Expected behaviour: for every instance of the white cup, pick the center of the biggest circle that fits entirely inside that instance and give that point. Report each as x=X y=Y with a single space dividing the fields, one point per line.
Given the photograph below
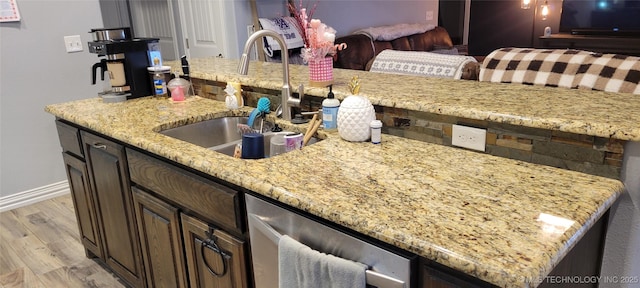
x=277 y=145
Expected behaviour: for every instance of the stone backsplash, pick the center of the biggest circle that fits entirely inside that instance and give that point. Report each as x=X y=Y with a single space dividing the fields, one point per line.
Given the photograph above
x=588 y=154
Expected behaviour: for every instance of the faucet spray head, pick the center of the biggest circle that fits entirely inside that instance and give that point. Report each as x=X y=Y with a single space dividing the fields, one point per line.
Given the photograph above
x=243 y=66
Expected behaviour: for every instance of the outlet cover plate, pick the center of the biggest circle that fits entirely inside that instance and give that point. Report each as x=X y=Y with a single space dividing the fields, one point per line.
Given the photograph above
x=429 y=15
x=469 y=137
x=73 y=43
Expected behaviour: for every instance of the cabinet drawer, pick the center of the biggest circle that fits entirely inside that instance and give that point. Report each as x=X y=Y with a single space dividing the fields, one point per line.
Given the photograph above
x=69 y=138
x=216 y=203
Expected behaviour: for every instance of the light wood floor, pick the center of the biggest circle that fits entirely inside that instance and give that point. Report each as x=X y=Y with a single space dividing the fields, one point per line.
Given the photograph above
x=40 y=247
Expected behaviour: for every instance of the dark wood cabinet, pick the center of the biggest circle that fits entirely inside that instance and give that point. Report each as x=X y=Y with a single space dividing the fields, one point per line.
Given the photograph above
x=214 y=258
x=107 y=168
x=78 y=178
x=211 y=201
x=152 y=223
x=99 y=182
x=208 y=214
x=161 y=241
x=433 y=278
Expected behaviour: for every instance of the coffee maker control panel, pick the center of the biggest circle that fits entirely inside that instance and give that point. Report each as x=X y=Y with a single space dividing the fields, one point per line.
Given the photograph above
x=96 y=48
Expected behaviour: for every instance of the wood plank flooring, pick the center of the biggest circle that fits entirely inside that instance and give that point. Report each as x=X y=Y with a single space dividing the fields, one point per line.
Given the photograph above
x=40 y=247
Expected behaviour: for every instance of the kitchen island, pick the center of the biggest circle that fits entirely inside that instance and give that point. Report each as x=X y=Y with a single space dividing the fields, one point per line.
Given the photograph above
x=503 y=221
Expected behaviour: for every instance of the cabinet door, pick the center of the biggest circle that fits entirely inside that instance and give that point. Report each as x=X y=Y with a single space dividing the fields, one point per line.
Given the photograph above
x=432 y=278
x=161 y=241
x=216 y=260
x=111 y=191
x=83 y=202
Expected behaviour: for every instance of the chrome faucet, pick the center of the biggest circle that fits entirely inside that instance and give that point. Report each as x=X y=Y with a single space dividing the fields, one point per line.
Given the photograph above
x=243 y=68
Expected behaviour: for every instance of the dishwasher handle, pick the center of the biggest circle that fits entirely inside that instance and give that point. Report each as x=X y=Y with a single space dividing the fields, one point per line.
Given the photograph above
x=373 y=278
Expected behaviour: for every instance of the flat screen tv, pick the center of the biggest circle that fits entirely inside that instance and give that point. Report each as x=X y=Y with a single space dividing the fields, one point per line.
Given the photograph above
x=601 y=17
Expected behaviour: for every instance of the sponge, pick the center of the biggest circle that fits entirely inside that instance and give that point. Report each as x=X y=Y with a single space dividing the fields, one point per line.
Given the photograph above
x=263 y=106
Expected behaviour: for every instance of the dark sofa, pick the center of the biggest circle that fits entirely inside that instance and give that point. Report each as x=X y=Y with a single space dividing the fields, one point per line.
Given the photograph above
x=361 y=50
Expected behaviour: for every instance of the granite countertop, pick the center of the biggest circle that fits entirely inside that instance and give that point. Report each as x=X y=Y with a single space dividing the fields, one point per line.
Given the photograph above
x=503 y=221
x=594 y=113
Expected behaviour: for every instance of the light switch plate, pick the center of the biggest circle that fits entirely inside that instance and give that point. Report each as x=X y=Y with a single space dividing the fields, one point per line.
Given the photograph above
x=73 y=43
x=469 y=137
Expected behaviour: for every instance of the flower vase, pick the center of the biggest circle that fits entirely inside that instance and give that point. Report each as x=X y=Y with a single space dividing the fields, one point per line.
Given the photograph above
x=354 y=116
x=321 y=72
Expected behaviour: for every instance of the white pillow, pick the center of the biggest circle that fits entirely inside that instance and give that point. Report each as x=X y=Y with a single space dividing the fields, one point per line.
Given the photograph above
x=285 y=26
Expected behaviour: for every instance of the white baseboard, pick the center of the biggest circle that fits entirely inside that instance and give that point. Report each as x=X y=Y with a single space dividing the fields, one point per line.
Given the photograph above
x=34 y=195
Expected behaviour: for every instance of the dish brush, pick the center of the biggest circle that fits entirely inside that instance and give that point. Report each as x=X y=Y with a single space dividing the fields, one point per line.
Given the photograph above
x=263 y=106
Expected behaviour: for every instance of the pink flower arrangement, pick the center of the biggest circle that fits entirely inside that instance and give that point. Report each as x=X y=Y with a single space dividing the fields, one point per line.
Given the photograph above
x=318 y=37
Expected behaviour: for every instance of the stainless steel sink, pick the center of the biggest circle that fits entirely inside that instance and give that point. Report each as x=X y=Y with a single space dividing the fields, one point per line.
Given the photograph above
x=220 y=134
x=229 y=148
x=209 y=133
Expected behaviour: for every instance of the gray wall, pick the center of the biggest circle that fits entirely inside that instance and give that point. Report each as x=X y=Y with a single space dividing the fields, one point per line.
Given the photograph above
x=35 y=71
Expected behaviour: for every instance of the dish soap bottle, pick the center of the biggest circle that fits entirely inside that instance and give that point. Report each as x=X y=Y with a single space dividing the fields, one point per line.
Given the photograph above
x=330 y=107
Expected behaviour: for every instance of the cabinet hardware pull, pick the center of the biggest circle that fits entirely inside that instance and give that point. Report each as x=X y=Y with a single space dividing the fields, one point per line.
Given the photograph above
x=99 y=146
x=210 y=243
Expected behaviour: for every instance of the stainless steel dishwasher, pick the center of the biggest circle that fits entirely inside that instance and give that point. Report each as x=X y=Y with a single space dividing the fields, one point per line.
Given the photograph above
x=267 y=222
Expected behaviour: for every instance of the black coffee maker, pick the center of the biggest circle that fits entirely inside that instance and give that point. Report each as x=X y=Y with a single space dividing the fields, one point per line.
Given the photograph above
x=125 y=59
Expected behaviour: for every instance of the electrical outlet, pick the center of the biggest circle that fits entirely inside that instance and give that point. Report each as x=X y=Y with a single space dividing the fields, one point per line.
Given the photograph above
x=429 y=16
x=468 y=137
x=73 y=43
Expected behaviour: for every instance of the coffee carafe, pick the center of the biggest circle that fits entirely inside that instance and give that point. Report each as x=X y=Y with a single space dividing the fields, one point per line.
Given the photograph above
x=125 y=60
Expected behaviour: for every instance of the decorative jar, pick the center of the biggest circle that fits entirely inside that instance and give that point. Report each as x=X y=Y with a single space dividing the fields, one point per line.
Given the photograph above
x=320 y=72
x=354 y=116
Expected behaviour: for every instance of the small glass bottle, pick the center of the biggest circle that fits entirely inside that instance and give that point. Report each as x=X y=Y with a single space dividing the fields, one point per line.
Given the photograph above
x=376 y=131
x=159 y=82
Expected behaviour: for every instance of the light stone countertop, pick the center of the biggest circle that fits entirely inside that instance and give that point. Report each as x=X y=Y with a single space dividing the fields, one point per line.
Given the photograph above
x=594 y=113
x=503 y=221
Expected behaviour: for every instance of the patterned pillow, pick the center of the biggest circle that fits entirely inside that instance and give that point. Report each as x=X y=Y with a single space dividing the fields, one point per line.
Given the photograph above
x=563 y=68
x=421 y=64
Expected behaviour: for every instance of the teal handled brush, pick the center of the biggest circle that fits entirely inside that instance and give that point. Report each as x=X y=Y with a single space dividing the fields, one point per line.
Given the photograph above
x=263 y=107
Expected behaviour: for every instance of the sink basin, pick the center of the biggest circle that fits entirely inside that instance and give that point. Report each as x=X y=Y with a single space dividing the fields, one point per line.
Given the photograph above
x=220 y=134
x=229 y=148
x=209 y=133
